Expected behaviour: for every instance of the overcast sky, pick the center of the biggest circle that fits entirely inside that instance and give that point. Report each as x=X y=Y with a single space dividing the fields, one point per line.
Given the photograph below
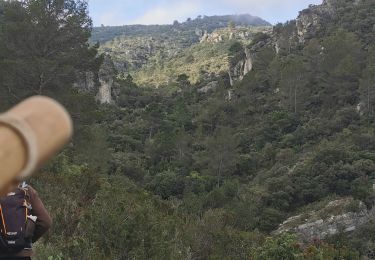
x=120 y=12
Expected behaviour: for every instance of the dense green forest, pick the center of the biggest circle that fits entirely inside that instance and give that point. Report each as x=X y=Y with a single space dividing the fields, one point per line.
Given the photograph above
x=184 y=174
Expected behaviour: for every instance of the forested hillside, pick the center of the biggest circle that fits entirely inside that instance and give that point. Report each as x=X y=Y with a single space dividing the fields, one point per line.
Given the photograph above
x=156 y=55
x=249 y=170
x=206 y=23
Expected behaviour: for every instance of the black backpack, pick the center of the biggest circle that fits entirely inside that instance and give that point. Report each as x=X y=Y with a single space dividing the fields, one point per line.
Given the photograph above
x=16 y=226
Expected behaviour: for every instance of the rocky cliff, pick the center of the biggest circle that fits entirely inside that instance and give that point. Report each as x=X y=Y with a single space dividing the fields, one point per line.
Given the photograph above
x=133 y=47
x=343 y=215
x=130 y=54
x=238 y=33
x=311 y=20
x=309 y=24
x=241 y=68
x=237 y=68
x=87 y=81
x=108 y=87
x=101 y=83
x=156 y=55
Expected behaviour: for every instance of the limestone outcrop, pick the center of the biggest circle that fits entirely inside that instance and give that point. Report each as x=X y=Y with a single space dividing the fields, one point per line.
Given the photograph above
x=343 y=215
x=241 y=68
x=311 y=20
x=108 y=87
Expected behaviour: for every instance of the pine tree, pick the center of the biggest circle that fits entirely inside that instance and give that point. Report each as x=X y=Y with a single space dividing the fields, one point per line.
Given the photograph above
x=292 y=82
x=367 y=84
x=46 y=44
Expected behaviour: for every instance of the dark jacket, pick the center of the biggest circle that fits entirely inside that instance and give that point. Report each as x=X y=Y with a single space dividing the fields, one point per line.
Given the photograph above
x=43 y=222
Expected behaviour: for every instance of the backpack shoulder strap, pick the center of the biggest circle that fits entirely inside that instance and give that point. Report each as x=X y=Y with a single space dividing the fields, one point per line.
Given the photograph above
x=25 y=190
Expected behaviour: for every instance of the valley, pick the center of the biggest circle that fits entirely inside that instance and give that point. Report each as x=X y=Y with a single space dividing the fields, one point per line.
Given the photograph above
x=220 y=137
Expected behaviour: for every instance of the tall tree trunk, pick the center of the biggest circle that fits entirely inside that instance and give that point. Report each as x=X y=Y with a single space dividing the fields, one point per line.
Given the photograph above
x=150 y=134
x=295 y=99
x=219 y=172
x=41 y=83
x=368 y=99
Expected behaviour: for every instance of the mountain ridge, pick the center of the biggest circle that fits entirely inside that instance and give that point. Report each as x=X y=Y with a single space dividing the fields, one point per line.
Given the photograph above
x=157 y=54
x=208 y=23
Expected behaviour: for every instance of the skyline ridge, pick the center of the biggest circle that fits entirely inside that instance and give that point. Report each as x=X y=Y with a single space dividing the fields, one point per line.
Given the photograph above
x=195 y=18
x=126 y=12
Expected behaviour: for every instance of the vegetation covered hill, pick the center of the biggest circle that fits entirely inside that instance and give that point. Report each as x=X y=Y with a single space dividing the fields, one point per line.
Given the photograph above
x=156 y=55
x=183 y=174
x=209 y=57
x=205 y=23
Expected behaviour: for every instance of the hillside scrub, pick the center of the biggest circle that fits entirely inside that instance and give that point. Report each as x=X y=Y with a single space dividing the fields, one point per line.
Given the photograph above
x=175 y=173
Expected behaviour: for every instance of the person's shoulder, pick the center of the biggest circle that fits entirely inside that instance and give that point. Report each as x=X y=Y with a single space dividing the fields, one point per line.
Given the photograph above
x=30 y=190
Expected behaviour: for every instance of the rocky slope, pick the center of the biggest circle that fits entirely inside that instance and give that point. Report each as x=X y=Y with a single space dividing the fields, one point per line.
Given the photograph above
x=157 y=59
x=156 y=55
x=101 y=83
x=203 y=61
x=310 y=23
x=238 y=33
x=343 y=215
x=192 y=28
x=311 y=20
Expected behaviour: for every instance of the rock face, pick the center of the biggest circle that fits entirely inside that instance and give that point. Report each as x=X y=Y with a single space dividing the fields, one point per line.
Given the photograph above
x=107 y=87
x=239 y=33
x=101 y=83
x=212 y=38
x=344 y=215
x=129 y=54
x=211 y=86
x=248 y=66
x=310 y=21
x=241 y=68
x=104 y=95
x=87 y=81
x=308 y=25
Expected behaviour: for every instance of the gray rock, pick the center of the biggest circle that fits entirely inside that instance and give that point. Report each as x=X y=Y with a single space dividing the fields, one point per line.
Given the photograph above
x=338 y=216
x=86 y=81
x=209 y=87
x=107 y=88
x=199 y=32
x=104 y=95
x=310 y=20
x=241 y=68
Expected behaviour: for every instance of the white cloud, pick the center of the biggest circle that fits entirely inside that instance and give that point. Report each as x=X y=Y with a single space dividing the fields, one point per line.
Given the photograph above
x=168 y=12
